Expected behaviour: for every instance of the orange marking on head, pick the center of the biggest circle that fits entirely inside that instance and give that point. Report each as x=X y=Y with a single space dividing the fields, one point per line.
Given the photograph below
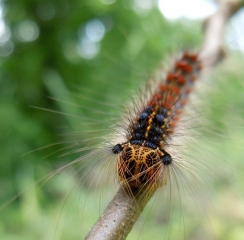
x=139 y=165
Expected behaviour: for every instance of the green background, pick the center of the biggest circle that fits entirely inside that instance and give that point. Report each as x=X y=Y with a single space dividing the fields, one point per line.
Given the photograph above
x=49 y=73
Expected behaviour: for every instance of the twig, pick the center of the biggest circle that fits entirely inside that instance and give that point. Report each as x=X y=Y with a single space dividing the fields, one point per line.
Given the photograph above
x=119 y=217
x=122 y=212
x=212 y=51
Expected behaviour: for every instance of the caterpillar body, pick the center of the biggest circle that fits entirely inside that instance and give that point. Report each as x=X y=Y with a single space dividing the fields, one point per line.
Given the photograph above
x=142 y=159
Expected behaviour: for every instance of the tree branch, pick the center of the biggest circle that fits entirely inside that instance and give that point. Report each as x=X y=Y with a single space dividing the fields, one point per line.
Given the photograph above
x=212 y=51
x=119 y=217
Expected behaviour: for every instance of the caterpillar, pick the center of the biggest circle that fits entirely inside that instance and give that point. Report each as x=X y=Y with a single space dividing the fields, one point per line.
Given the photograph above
x=142 y=158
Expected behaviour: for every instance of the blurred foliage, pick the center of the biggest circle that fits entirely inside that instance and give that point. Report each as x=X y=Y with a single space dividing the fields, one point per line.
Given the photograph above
x=73 y=57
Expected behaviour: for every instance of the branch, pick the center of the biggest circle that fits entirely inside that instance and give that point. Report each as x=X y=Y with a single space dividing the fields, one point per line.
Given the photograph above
x=119 y=217
x=212 y=51
x=123 y=211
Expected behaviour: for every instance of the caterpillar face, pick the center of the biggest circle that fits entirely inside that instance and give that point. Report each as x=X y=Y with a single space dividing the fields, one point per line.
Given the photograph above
x=139 y=166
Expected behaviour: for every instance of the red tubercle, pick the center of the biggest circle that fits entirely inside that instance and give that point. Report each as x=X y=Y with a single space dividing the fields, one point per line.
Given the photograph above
x=190 y=57
x=170 y=89
x=162 y=87
x=171 y=77
x=152 y=103
x=168 y=102
x=183 y=102
x=157 y=97
x=170 y=131
x=170 y=99
x=175 y=90
x=181 y=80
x=176 y=119
x=166 y=105
x=172 y=126
x=183 y=66
x=178 y=112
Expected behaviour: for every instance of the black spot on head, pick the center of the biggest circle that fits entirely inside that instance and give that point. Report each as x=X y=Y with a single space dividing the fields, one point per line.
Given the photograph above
x=117 y=148
x=130 y=169
x=166 y=159
x=128 y=149
x=151 y=159
x=143 y=173
x=126 y=154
